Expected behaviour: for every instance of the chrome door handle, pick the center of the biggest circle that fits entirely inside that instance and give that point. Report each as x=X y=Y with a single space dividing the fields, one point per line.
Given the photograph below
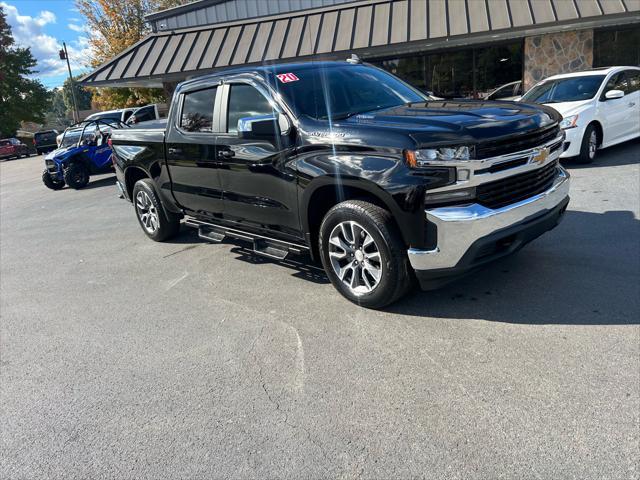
x=632 y=104
x=174 y=151
x=226 y=154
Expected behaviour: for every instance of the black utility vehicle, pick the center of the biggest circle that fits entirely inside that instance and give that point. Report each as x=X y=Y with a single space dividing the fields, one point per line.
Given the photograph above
x=44 y=141
x=350 y=164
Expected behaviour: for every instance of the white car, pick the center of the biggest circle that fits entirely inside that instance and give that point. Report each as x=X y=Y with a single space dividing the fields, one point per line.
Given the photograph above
x=600 y=108
x=508 y=91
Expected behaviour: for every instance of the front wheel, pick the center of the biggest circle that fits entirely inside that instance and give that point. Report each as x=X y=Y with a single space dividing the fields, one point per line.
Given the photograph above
x=157 y=224
x=589 y=146
x=76 y=176
x=51 y=182
x=363 y=254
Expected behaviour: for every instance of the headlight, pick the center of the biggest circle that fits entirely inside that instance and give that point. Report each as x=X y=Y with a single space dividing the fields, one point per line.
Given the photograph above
x=422 y=157
x=569 y=122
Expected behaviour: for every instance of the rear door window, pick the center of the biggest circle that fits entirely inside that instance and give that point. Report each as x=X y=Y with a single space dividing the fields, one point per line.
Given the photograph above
x=197 y=110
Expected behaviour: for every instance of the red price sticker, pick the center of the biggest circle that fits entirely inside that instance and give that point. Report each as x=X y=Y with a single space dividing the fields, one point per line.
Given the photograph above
x=287 y=77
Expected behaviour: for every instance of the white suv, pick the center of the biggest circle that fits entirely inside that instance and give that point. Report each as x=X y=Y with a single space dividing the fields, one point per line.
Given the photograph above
x=600 y=108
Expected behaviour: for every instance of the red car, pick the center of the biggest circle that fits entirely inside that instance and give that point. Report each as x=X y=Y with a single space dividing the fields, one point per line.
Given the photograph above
x=12 y=147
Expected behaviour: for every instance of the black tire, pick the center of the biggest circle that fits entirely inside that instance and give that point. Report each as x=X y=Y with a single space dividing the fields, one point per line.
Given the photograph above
x=165 y=225
x=587 y=152
x=52 y=183
x=395 y=277
x=76 y=175
x=38 y=151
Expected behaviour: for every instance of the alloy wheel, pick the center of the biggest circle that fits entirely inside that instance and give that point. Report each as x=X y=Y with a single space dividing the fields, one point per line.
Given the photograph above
x=147 y=212
x=355 y=257
x=593 y=144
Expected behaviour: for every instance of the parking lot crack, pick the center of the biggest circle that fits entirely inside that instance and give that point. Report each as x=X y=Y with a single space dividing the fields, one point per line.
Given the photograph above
x=276 y=403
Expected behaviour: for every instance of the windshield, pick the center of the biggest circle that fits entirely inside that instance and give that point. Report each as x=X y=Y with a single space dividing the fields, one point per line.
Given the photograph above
x=573 y=89
x=70 y=138
x=341 y=91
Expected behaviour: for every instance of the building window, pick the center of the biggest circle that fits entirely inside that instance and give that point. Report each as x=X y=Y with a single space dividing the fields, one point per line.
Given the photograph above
x=463 y=73
x=616 y=47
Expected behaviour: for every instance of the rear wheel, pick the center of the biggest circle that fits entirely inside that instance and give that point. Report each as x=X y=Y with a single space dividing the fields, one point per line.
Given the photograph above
x=51 y=182
x=156 y=222
x=76 y=175
x=363 y=254
x=589 y=145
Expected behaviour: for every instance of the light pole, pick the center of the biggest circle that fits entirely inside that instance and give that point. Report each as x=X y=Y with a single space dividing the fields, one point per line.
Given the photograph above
x=65 y=56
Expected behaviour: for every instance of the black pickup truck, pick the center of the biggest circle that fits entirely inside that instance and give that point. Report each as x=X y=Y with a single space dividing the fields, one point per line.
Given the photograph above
x=341 y=160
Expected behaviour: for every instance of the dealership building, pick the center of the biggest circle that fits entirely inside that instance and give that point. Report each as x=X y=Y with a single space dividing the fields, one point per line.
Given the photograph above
x=455 y=48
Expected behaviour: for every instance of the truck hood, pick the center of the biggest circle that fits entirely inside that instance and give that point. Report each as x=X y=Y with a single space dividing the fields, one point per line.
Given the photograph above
x=460 y=120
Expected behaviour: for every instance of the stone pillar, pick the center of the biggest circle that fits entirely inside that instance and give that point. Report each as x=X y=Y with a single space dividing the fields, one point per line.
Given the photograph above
x=555 y=53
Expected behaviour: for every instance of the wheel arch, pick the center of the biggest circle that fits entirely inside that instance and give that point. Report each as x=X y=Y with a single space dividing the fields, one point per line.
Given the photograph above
x=324 y=193
x=131 y=176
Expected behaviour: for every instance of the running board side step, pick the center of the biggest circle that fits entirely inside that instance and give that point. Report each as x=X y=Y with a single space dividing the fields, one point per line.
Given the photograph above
x=264 y=246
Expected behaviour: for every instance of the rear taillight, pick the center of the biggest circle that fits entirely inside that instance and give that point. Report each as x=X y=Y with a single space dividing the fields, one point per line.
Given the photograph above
x=110 y=143
x=34 y=141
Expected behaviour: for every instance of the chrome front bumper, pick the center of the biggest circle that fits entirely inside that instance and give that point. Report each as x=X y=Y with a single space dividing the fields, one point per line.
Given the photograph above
x=459 y=227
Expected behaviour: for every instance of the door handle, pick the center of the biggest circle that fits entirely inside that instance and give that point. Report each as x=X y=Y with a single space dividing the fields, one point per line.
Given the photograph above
x=226 y=154
x=632 y=104
x=175 y=151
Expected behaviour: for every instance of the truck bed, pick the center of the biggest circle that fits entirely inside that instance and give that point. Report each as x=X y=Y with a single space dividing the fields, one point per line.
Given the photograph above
x=152 y=131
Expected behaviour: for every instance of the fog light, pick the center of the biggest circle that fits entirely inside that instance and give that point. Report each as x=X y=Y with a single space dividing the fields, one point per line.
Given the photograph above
x=462 y=195
x=463 y=175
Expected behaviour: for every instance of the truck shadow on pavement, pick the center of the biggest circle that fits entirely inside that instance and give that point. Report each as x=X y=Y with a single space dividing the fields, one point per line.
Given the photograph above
x=627 y=153
x=586 y=272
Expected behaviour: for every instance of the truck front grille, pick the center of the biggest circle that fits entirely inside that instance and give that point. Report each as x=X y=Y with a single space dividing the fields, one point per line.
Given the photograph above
x=506 y=191
x=516 y=144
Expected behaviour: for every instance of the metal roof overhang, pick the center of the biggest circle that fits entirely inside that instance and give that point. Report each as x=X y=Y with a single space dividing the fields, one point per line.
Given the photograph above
x=372 y=28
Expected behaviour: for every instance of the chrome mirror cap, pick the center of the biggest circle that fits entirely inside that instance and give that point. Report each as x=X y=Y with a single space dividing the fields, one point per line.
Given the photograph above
x=284 y=123
x=245 y=124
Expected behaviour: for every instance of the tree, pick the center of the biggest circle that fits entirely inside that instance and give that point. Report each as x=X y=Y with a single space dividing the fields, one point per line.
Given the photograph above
x=83 y=95
x=22 y=98
x=113 y=26
x=56 y=117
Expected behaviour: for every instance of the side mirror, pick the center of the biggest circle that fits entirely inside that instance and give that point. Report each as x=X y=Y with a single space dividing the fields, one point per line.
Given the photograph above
x=611 y=94
x=263 y=127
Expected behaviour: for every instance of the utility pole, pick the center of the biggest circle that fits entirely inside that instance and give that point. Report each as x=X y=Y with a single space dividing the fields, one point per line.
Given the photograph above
x=65 y=56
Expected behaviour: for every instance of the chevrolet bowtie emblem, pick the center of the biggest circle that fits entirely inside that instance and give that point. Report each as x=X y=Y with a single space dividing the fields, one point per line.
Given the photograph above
x=540 y=156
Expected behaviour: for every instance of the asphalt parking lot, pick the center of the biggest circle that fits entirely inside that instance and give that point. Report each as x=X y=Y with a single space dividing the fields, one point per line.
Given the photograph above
x=125 y=358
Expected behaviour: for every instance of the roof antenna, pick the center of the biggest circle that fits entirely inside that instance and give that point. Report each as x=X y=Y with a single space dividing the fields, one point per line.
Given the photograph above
x=354 y=59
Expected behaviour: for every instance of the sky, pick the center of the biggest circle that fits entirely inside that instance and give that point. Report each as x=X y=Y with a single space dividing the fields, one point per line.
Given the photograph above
x=43 y=25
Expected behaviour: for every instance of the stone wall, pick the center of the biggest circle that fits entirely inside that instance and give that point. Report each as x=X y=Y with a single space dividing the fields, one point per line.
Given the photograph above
x=555 y=53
